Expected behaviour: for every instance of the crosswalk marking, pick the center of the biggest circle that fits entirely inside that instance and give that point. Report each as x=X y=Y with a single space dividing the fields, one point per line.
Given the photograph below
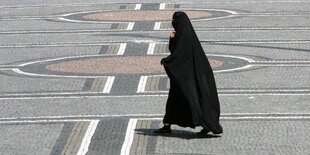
x=151 y=48
x=129 y=137
x=108 y=86
x=130 y=25
x=116 y=49
x=157 y=26
x=142 y=83
x=87 y=137
x=162 y=6
x=121 y=26
x=165 y=26
x=122 y=49
x=150 y=84
x=161 y=48
x=157 y=48
x=98 y=84
x=138 y=6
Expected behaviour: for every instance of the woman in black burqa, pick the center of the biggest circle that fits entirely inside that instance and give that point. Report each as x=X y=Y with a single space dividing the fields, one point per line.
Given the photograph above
x=193 y=99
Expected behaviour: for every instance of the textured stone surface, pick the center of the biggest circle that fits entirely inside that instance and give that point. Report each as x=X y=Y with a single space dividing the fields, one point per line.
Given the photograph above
x=28 y=138
x=143 y=15
x=122 y=65
x=35 y=53
x=17 y=84
x=147 y=105
x=241 y=137
x=109 y=137
x=118 y=65
x=273 y=32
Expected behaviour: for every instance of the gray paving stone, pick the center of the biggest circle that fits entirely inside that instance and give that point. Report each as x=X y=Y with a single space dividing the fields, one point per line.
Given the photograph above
x=259 y=21
x=253 y=6
x=109 y=137
x=27 y=139
x=271 y=77
x=17 y=55
x=14 y=84
x=146 y=105
x=286 y=52
x=241 y=137
x=35 y=25
x=53 y=9
x=62 y=139
x=157 y=36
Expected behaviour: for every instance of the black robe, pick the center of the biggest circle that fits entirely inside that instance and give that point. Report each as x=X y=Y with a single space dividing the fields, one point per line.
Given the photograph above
x=193 y=99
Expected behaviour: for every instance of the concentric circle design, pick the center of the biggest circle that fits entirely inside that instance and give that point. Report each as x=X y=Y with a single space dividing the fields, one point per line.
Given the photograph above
x=116 y=65
x=106 y=65
x=143 y=15
x=148 y=15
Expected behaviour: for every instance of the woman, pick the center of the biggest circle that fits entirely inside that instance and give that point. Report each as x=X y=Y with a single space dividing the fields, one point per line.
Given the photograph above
x=193 y=99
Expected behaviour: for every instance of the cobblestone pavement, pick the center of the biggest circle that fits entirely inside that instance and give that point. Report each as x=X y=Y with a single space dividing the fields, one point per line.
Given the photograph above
x=83 y=77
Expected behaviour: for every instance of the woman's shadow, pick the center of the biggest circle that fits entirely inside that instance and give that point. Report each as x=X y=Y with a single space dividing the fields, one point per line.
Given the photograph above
x=183 y=134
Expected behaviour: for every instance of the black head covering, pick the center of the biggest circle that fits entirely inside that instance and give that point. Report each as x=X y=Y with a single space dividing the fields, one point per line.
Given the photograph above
x=179 y=22
x=193 y=99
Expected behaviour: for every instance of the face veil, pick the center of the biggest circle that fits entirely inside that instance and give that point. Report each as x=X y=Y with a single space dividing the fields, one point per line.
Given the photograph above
x=184 y=30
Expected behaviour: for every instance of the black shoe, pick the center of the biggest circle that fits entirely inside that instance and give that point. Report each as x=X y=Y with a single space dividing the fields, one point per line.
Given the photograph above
x=163 y=130
x=203 y=132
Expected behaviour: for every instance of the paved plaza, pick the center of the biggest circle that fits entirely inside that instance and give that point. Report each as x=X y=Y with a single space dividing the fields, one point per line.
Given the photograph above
x=84 y=76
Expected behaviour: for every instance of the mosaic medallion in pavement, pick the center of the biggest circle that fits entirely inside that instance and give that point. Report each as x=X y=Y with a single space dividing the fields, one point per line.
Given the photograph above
x=144 y=13
x=111 y=64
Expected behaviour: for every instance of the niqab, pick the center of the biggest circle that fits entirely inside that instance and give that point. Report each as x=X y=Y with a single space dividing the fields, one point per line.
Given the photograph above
x=193 y=99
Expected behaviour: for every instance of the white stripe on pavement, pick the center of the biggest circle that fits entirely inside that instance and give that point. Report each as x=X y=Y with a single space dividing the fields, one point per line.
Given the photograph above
x=108 y=85
x=142 y=83
x=129 y=137
x=151 y=48
x=138 y=6
x=157 y=25
x=87 y=137
x=122 y=49
x=162 y=6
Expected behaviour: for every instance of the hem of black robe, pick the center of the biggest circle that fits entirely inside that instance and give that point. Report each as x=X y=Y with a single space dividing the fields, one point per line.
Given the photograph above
x=184 y=125
x=219 y=129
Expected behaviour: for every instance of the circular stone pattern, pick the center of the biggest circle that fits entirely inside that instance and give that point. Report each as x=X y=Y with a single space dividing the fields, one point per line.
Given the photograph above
x=142 y=15
x=116 y=65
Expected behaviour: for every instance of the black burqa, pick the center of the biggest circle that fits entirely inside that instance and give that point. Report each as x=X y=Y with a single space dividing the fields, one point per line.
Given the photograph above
x=193 y=99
